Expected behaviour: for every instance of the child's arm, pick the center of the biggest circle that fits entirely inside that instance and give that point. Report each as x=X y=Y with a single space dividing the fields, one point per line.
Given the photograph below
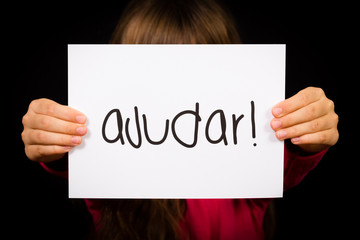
x=308 y=119
x=51 y=130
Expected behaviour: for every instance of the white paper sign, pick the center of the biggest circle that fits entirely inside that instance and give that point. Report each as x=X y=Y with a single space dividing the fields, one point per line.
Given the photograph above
x=176 y=121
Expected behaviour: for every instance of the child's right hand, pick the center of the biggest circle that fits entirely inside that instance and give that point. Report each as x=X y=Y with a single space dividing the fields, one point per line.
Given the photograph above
x=51 y=130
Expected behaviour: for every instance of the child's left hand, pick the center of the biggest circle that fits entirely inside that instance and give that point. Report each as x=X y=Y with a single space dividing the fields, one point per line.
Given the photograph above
x=308 y=119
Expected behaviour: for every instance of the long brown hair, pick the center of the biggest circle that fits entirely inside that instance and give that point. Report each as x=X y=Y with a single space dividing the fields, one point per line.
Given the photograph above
x=175 y=22
x=142 y=219
x=162 y=22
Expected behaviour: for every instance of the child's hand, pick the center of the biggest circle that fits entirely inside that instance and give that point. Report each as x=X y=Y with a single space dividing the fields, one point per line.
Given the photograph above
x=308 y=119
x=51 y=130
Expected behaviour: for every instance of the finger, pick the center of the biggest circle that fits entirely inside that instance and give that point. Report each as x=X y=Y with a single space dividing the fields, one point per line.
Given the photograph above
x=40 y=137
x=46 y=153
x=299 y=100
x=316 y=125
x=327 y=137
x=51 y=108
x=52 y=124
x=304 y=114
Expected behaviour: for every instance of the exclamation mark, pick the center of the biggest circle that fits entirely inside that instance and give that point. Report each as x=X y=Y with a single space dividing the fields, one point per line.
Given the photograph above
x=253 y=120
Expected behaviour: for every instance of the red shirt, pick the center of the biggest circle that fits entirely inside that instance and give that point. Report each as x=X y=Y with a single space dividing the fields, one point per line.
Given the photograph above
x=230 y=218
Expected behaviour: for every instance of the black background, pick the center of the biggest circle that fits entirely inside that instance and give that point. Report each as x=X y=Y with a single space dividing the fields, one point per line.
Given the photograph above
x=36 y=203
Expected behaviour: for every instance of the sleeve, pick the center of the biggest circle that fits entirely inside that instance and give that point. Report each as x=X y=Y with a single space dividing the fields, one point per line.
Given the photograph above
x=60 y=168
x=296 y=167
x=57 y=168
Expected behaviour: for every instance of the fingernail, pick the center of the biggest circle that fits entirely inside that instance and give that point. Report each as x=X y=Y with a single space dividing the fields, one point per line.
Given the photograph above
x=295 y=140
x=281 y=134
x=80 y=119
x=76 y=140
x=81 y=130
x=276 y=124
x=67 y=148
x=277 y=111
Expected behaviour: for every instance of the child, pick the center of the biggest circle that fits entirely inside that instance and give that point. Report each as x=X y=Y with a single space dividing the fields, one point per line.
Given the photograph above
x=307 y=119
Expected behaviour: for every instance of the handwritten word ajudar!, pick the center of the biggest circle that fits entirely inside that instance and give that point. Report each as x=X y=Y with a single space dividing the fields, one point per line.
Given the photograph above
x=197 y=119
